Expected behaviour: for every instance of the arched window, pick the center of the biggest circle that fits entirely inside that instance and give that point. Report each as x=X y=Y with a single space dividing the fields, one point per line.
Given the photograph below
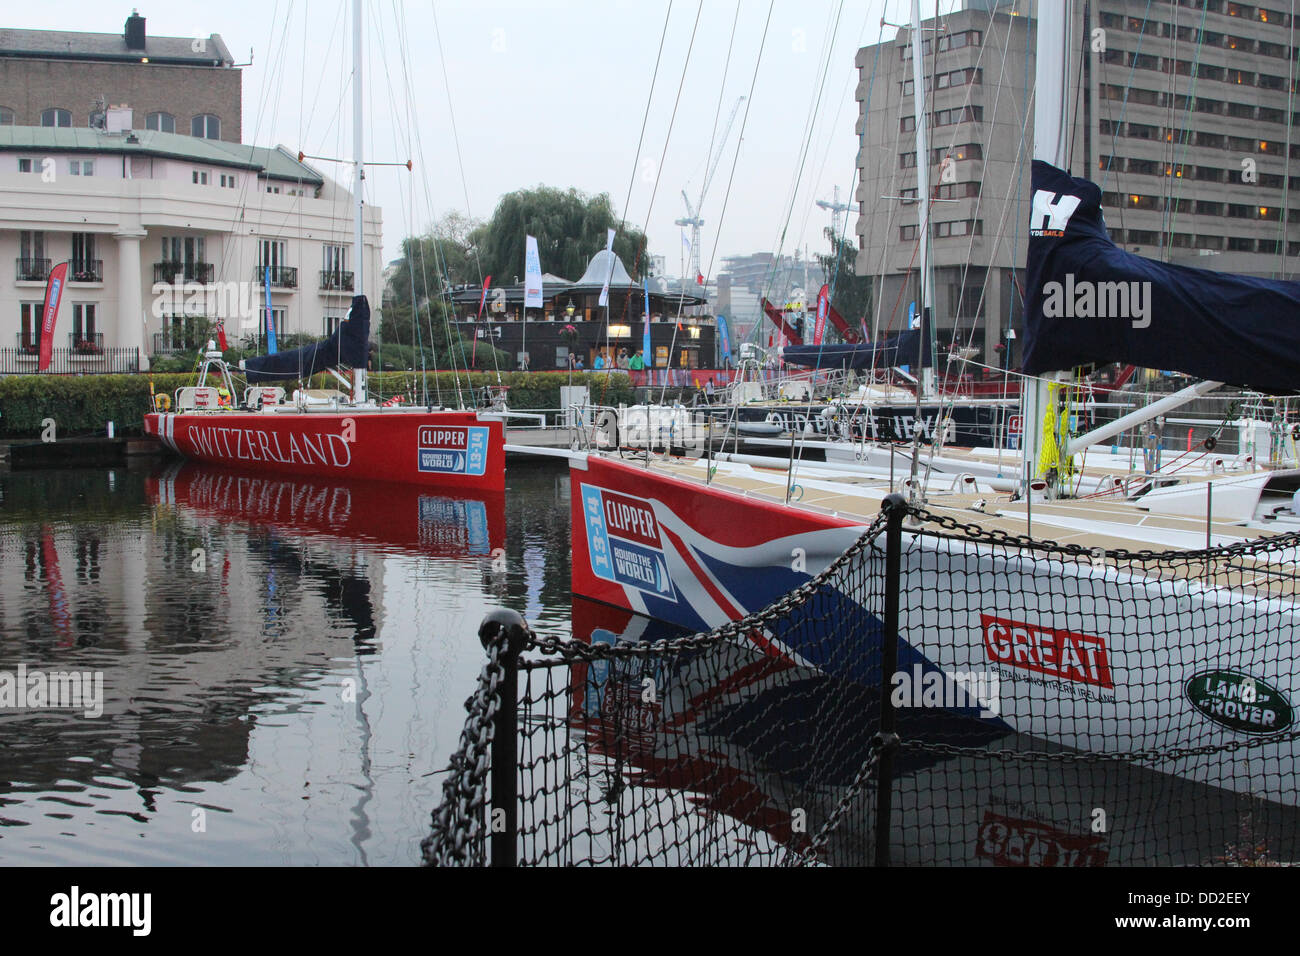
x=162 y=122
x=56 y=117
x=206 y=126
x=6 y=116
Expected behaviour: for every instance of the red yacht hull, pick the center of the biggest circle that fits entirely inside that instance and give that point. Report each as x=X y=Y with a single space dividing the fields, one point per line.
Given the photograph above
x=438 y=449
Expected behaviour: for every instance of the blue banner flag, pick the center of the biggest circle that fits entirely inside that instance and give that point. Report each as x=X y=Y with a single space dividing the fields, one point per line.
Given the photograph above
x=725 y=337
x=645 y=339
x=270 y=314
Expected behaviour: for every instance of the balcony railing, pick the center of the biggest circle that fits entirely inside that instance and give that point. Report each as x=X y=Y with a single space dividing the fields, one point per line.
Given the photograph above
x=334 y=279
x=86 y=343
x=282 y=277
x=168 y=270
x=180 y=340
x=33 y=270
x=28 y=344
x=86 y=270
x=68 y=362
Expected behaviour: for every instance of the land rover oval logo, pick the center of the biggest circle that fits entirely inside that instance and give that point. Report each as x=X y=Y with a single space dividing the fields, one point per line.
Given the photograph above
x=1239 y=701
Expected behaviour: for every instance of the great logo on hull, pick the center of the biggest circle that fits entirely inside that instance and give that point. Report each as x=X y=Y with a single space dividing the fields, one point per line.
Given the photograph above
x=1063 y=655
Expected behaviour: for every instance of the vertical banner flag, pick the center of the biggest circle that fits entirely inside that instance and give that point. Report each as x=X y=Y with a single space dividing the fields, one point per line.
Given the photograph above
x=645 y=338
x=912 y=321
x=604 y=290
x=532 y=274
x=270 y=315
x=50 y=314
x=725 y=338
x=483 y=298
x=823 y=307
x=221 y=335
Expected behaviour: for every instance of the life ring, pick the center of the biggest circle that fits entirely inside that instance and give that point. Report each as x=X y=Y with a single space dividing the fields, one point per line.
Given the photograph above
x=162 y=402
x=1295 y=432
x=1210 y=443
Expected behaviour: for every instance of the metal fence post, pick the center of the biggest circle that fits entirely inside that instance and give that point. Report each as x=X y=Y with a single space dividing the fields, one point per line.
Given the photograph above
x=504 y=786
x=895 y=508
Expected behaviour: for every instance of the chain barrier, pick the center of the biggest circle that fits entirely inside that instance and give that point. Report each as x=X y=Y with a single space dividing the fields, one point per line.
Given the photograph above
x=758 y=742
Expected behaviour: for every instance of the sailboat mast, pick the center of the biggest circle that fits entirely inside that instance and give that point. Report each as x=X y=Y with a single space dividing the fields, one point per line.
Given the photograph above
x=358 y=148
x=924 y=375
x=1051 y=145
x=358 y=179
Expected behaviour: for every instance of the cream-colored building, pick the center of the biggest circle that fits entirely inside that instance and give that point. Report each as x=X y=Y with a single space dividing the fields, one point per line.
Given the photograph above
x=132 y=210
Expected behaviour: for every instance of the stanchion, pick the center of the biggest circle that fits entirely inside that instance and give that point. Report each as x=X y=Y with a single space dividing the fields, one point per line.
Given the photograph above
x=504 y=787
x=895 y=508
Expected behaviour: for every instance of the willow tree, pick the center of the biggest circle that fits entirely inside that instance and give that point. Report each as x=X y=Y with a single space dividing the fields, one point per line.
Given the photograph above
x=570 y=228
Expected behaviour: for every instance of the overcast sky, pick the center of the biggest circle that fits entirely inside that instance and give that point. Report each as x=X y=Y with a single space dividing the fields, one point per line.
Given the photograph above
x=554 y=93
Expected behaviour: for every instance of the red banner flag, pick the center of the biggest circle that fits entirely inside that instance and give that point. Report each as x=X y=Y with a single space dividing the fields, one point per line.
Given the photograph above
x=221 y=335
x=823 y=307
x=483 y=298
x=50 y=314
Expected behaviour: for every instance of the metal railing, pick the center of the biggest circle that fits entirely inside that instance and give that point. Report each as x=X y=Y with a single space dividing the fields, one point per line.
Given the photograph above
x=171 y=270
x=335 y=280
x=180 y=340
x=86 y=343
x=86 y=270
x=32 y=270
x=282 y=277
x=109 y=361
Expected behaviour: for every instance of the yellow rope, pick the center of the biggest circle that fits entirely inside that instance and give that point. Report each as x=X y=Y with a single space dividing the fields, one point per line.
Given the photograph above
x=1050 y=453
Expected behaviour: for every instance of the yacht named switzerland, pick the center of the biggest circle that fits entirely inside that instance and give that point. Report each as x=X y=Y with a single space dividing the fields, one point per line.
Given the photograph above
x=326 y=433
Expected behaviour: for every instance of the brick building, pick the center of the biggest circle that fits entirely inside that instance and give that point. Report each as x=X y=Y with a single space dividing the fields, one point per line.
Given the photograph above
x=185 y=85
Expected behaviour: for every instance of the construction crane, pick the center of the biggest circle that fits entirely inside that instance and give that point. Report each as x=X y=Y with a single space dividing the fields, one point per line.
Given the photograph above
x=692 y=217
x=836 y=207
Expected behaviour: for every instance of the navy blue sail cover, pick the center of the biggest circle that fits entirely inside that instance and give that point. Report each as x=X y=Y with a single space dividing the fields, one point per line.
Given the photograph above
x=900 y=349
x=1090 y=302
x=349 y=346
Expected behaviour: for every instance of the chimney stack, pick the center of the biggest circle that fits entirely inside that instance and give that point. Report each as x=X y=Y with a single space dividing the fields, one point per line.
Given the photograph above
x=135 y=31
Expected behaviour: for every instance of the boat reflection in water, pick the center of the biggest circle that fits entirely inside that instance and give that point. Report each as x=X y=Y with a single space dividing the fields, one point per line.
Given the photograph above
x=270 y=651
x=753 y=752
x=394 y=517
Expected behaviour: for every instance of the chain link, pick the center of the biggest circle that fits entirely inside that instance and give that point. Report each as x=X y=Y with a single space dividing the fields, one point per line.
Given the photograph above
x=974 y=532
x=457 y=837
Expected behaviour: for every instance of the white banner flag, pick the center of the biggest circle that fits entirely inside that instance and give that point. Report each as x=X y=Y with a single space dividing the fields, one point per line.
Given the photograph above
x=604 y=290
x=532 y=274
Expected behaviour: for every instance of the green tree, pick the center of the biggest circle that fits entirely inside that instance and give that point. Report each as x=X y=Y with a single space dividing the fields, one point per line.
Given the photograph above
x=570 y=228
x=850 y=292
x=446 y=255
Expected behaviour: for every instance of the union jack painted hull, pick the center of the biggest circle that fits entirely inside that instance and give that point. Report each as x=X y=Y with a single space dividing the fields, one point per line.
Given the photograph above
x=439 y=449
x=1089 y=656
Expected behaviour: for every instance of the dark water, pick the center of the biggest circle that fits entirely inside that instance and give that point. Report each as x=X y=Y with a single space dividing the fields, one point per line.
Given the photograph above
x=284 y=663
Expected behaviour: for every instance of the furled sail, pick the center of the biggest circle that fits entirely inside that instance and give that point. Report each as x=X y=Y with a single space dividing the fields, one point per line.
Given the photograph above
x=1089 y=302
x=900 y=349
x=348 y=346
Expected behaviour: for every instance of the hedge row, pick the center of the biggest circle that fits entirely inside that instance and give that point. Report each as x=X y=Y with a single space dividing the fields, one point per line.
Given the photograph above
x=83 y=405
